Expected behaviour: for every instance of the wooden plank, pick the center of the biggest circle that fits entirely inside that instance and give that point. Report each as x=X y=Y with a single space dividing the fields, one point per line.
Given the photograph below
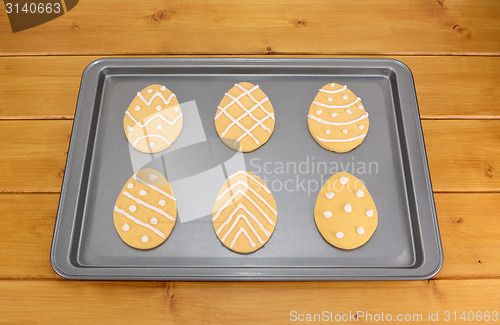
x=463 y=154
x=81 y=302
x=94 y=27
x=446 y=88
x=468 y=224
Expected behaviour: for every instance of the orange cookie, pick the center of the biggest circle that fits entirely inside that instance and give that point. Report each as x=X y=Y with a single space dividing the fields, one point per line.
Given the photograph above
x=337 y=119
x=345 y=213
x=145 y=211
x=244 y=214
x=245 y=117
x=153 y=120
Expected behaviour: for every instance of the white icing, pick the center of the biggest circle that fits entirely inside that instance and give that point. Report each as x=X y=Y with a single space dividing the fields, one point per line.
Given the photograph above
x=333 y=91
x=143 y=193
x=242 y=230
x=240 y=216
x=348 y=208
x=161 y=202
x=144 y=239
x=249 y=189
x=152 y=118
x=349 y=111
x=360 y=106
x=330 y=99
x=139 y=222
x=327 y=214
x=337 y=106
x=153 y=187
x=157 y=94
x=337 y=123
x=342 y=140
x=319 y=111
x=360 y=193
x=129 y=129
x=147 y=205
x=247 y=175
x=159 y=127
x=248 y=112
x=330 y=195
x=328 y=131
x=369 y=213
x=344 y=131
x=158 y=108
x=149 y=136
x=332 y=85
x=343 y=180
x=151 y=144
x=137 y=108
x=176 y=108
x=163 y=88
x=251 y=201
x=339 y=235
x=130 y=185
x=241 y=206
x=153 y=221
x=361 y=127
x=125 y=227
x=150 y=91
x=153 y=177
x=345 y=97
x=132 y=208
x=360 y=230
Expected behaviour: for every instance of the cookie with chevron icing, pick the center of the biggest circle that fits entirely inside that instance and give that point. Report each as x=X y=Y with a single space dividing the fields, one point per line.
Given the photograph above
x=145 y=210
x=345 y=212
x=153 y=119
x=337 y=119
x=244 y=214
x=245 y=117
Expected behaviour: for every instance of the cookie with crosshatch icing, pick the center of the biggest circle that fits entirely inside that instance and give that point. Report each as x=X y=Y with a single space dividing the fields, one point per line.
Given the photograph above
x=153 y=119
x=145 y=211
x=345 y=213
x=337 y=119
x=245 y=117
x=244 y=214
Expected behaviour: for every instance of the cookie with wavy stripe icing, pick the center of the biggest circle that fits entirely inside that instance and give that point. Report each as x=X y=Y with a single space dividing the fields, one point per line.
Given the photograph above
x=245 y=117
x=337 y=119
x=244 y=214
x=153 y=119
x=345 y=213
x=145 y=210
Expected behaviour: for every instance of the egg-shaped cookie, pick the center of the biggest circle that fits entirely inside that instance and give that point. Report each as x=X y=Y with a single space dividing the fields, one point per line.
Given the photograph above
x=345 y=213
x=153 y=119
x=337 y=119
x=145 y=211
x=244 y=214
x=245 y=117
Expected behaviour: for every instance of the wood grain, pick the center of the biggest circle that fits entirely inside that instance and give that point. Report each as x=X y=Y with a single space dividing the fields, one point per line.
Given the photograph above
x=235 y=303
x=468 y=224
x=446 y=88
x=387 y=27
x=457 y=162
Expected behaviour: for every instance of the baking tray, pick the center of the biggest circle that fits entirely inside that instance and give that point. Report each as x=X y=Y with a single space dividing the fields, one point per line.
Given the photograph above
x=406 y=244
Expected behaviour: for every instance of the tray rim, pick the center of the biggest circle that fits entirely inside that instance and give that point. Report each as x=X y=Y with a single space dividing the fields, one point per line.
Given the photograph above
x=92 y=75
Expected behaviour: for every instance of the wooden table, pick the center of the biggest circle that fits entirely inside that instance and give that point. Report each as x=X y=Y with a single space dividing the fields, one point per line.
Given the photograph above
x=452 y=48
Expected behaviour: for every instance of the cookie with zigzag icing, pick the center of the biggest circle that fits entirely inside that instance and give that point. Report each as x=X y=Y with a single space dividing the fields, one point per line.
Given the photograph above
x=153 y=119
x=337 y=119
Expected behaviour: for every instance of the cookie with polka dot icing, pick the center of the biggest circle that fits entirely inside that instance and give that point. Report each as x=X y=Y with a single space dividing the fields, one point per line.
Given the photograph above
x=244 y=214
x=337 y=119
x=345 y=213
x=145 y=211
x=245 y=117
x=153 y=119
